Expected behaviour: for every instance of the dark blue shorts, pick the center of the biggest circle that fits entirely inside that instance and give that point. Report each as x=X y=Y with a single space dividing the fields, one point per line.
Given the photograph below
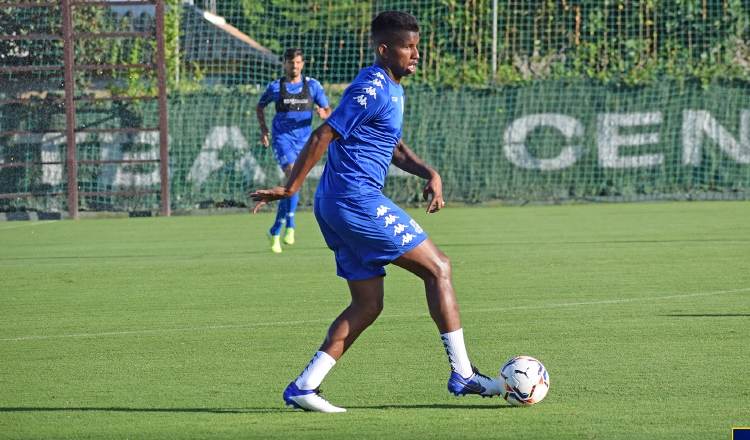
x=366 y=233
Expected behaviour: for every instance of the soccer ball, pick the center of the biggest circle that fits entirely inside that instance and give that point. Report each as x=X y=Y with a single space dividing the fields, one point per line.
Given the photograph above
x=524 y=380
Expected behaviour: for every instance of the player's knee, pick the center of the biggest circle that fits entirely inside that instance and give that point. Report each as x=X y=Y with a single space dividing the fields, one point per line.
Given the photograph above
x=442 y=266
x=370 y=310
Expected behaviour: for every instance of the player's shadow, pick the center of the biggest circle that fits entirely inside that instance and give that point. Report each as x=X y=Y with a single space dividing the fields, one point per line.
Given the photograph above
x=434 y=406
x=709 y=315
x=259 y=410
x=147 y=410
x=584 y=242
x=131 y=256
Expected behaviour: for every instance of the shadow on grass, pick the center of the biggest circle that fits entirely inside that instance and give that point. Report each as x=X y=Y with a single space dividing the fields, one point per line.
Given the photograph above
x=148 y=410
x=513 y=243
x=502 y=405
x=131 y=256
x=244 y=410
x=710 y=315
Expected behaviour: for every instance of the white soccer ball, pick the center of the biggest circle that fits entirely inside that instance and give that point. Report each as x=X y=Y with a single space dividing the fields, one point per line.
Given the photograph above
x=524 y=381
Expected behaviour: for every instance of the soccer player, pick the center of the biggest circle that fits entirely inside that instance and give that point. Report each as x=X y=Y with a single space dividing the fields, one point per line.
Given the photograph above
x=295 y=97
x=366 y=230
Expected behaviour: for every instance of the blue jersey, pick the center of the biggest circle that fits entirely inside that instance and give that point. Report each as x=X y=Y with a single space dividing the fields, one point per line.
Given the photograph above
x=369 y=121
x=292 y=128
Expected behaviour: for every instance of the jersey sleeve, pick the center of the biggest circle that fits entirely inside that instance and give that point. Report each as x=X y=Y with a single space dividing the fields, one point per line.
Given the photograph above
x=268 y=96
x=318 y=94
x=360 y=104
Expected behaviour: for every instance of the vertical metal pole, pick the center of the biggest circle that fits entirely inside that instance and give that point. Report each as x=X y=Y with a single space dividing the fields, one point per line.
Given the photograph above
x=494 y=41
x=163 y=132
x=71 y=159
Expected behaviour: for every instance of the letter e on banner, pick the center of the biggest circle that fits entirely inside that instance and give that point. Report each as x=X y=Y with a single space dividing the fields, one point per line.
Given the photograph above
x=609 y=141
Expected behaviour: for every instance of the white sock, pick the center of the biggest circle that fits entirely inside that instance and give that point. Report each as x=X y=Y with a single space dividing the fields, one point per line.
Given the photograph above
x=315 y=371
x=456 y=351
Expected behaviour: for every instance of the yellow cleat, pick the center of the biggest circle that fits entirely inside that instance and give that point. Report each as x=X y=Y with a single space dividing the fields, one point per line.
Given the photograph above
x=275 y=244
x=289 y=236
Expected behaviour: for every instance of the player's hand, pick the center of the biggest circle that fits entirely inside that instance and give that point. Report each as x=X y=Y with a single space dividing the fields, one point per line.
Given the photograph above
x=264 y=138
x=263 y=196
x=321 y=112
x=434 y=188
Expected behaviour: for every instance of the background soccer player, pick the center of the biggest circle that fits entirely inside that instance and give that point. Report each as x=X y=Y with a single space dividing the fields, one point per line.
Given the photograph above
x=364 y=228
x=295 y=97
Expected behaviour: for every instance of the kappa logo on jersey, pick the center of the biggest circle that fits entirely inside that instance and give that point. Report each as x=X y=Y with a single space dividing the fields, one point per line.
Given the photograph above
x=390 y=219
x=371 y=91
x=380 y=75
x=377 y=83
x=394 y=99
x=361 y=100
x=399 y=228
x=416 y=227
x=382 y=209
x=407 y=238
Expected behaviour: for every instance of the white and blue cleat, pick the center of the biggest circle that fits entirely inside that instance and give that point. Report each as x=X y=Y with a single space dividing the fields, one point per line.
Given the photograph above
x=309 y=400
x=477 y=383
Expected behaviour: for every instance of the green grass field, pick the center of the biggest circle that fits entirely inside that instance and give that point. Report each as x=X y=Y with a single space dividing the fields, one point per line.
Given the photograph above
x=189 y=327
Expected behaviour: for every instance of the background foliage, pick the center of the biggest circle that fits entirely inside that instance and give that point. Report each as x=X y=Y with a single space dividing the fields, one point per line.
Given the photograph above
x=628 y=41
x=621 y=41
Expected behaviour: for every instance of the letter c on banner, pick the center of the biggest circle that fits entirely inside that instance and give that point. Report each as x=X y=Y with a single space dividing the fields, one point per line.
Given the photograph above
x=515 y=137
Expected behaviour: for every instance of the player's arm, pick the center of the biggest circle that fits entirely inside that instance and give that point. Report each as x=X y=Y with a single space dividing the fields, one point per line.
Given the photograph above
x=260 y=113
x=310 y=154
x=408 y=161
x=321 y=101
x=323 y=112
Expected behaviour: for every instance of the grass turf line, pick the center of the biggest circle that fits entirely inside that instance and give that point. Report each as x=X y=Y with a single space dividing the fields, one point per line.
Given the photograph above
x=634 y=358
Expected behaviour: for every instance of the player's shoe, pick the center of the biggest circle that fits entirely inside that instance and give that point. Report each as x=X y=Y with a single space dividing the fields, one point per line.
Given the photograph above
x=309 y=400
x=275 y=244
x=477 y=383
x=288 y=236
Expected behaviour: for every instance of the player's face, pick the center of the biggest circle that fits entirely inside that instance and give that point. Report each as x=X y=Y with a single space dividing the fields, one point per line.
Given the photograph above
x=402 y=55
x=294 y=67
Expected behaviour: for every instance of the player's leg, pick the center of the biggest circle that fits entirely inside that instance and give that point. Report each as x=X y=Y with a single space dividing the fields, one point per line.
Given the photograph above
x=281 y=150
x=431 y=265
x=337 y=219
x=434 y=268
x=291 y=208
x=365 y=307
x=275 y=231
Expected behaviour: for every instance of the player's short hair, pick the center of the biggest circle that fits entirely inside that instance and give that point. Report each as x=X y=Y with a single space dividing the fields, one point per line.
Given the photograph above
x=292 y=53
x=391 y=25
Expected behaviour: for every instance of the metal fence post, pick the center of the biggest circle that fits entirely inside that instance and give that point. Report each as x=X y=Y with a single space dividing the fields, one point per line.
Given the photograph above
x=161 y=72
x=71 y=159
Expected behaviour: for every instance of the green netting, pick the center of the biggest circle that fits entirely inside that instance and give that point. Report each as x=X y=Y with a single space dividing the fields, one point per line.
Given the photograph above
x=600 y=100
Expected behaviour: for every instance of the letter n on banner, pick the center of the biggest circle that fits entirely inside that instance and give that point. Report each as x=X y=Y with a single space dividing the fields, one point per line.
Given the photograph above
x=695 y=123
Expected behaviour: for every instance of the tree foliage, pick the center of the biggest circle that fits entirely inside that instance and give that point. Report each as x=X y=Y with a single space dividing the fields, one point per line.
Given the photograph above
x=44 y=52
x=623 y=41
x=611 y=41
